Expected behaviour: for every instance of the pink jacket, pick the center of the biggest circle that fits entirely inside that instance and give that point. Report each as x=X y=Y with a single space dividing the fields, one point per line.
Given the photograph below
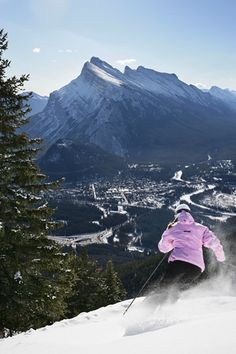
x=186 y=238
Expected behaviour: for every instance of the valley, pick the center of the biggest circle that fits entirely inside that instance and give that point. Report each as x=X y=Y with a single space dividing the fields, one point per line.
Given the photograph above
x=130 y=211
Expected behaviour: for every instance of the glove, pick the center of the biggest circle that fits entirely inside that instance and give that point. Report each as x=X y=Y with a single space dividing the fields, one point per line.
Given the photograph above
x=221 y=258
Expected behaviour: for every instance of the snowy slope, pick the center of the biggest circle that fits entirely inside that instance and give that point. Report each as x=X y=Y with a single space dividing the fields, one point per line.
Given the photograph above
x=164 y=84
x=100 y=78
x=202 y=321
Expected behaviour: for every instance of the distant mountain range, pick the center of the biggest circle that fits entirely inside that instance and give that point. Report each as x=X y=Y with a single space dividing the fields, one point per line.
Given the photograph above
x=140 y=115
x=226 y=95
x=37 y=103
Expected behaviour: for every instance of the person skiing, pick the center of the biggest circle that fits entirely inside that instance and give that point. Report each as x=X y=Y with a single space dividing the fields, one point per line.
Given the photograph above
x=184 y=238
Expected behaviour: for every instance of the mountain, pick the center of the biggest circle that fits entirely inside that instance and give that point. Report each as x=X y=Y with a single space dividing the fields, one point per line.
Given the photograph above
x=74 y=160
x=142 y=115
x=197 y=323
x=226 y=95
x=37 y=103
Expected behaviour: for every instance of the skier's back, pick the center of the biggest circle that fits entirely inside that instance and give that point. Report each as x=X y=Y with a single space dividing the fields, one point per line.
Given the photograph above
x=185 y=238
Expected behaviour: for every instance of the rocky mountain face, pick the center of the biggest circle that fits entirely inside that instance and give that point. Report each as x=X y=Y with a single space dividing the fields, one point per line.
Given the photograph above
x=141 y=115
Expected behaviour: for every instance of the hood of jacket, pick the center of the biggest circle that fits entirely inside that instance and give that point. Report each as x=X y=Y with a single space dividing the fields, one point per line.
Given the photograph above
x=185 y=218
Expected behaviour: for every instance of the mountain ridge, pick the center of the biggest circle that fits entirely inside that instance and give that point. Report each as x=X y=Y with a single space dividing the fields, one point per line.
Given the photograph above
x=141 y=114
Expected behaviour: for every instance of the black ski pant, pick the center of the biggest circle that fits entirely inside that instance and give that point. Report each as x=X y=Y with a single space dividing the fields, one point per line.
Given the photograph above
x=179 y=276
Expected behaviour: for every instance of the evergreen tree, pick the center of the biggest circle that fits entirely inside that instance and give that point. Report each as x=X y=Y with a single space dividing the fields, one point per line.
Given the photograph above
x=35 y=276
x=115 y=291
x=89 y=292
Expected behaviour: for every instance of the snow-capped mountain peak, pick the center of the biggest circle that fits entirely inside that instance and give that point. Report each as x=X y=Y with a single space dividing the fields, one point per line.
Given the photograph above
x=100 y=76
x=151 y=73
x=103 y=65
x=226 y=95
x=119 y=111
x=37 y=103
x=39 y=97
x=164 y=84
x=106 y=73
x=222 y=92
x=97 y=80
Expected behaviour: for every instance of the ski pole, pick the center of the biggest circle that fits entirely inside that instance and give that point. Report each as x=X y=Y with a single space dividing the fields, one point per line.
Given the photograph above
x=146 y=282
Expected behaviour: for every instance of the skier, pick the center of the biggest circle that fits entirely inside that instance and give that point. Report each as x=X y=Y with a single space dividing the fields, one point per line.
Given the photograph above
x=184 y=238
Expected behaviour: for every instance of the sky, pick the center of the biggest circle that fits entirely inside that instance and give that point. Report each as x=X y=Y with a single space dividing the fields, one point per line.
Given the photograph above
x=52 y=39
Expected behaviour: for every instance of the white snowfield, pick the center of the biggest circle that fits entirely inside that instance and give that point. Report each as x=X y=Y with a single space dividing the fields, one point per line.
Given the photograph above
x=200 y=322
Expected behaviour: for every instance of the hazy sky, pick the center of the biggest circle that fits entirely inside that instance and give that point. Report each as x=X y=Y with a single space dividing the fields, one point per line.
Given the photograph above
x=51 y=39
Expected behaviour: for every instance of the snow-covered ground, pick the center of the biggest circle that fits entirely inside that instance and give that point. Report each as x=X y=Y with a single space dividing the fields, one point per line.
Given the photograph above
x=200 y=190
x=84 y=239
x=213 y=202
x=178 y=175
x=220 y=200
x=201 y=321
